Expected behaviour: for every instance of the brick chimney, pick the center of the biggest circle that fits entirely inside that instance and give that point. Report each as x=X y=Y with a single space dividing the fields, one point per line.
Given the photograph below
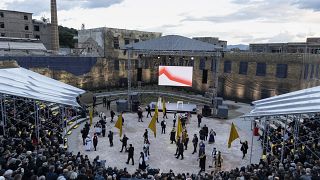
x=54 y=27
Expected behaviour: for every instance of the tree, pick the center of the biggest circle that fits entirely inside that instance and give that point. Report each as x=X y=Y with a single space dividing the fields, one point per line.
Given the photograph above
x=66 y=37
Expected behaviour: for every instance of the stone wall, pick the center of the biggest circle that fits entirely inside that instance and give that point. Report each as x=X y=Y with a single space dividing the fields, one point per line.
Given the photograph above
x=104 y=74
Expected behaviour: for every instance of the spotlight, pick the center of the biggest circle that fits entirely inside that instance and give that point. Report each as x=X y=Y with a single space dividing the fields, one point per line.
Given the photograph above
x=192 y=58
x=158 y=57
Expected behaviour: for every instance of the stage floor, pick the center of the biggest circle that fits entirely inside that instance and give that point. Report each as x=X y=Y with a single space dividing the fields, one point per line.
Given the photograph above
x=162 y=152
x=173 y=107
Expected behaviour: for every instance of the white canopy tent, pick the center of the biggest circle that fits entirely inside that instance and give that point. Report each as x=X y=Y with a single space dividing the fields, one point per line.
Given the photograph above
x=298 y=102
x=25 y=83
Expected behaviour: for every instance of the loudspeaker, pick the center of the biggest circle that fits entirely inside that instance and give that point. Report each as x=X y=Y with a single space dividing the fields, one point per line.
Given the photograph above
x=204 y=76
x=139 y=74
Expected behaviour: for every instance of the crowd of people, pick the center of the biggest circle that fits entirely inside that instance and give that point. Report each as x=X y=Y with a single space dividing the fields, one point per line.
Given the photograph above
x=29 y=153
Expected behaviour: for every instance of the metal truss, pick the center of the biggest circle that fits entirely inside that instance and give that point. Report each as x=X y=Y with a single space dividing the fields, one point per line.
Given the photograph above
x=294 y=131
x=38 y=115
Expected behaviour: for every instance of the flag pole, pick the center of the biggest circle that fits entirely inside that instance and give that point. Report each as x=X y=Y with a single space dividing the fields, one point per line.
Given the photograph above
x=251 y=140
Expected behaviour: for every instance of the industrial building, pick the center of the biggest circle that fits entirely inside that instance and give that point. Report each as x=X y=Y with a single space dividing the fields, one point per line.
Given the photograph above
x=21 y=25
x=312 y=45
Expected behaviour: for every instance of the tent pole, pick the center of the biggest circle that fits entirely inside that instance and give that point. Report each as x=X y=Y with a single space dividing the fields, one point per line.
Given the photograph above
x=264 y=133
x=267 y=135
x=2 y=115
x=283 y=139
x=129 y=80
x=35 y=119
x=38 y=123
x=295 y=132
x=14 y=108
x=251 y=141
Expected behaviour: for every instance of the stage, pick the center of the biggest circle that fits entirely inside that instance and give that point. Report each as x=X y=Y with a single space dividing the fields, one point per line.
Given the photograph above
x=176 y=107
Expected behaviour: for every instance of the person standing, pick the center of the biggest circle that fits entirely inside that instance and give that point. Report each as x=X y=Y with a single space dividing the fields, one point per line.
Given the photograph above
x=201 y=134
x=177 y=146
x=104 y=100
x=146 y=146
x=124 y=141
x=202 y=162
x=145 y=135
x=211 y=136
x=205 y=132
x=84 y=135
x=199 y=116
x=103 y=127
x=140 y=115
x=173 y=136
x=219 y=160
x=202 y=148
x=108 y=104
x=112 y=115
x=95 y=141
x=195 y=143
x=122 y=118
x=186 y=141
x=163 y=126
x=244 y=148
x=180 y=150
x=165 y=113
x=104 y=117
x=142 y=162
x=214 y=156
x=149 y=110
x=174 y=122
x=110 y=136
x=88 y=143
x=130 y=154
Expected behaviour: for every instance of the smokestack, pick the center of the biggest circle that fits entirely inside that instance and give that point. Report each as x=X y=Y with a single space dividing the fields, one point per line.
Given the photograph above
x=54 y=27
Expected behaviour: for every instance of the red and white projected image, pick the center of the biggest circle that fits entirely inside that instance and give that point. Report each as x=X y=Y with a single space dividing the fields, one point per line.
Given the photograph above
x=175 y=76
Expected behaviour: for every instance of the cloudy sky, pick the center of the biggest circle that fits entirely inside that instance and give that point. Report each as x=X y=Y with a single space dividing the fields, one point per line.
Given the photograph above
x=237 y=21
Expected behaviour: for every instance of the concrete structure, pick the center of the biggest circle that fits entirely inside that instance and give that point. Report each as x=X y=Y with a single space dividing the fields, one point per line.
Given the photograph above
x=214 y=41
x=106 y=42
x=21 y=47
x=41 y=31
x=312 y=45
x=16 y=24
x=54 y=27
x=242 y=77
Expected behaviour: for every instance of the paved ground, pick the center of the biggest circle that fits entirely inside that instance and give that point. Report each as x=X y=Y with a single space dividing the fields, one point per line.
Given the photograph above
x=162 y=152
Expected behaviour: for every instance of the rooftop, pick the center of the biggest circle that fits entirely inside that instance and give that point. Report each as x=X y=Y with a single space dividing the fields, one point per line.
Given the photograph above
x=3 y=10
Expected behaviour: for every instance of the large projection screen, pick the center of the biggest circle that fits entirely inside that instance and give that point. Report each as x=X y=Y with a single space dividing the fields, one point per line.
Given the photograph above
x=175 y=76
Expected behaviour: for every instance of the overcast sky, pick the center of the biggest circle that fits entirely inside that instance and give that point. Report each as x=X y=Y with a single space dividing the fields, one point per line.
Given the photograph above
x=237 y=21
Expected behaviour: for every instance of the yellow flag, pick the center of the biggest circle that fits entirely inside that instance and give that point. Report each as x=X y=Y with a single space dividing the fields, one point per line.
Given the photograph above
x=119 y=124
x=179 y=128
x=163 y=105
x=153 y=122
x=233 y=135
x=91 y=115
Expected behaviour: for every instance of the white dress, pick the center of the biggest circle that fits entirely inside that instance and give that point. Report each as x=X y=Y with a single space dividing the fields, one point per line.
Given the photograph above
x=88 y=144
x=145 y=152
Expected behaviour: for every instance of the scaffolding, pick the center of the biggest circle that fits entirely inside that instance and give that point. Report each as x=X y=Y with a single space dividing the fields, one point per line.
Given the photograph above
x=289 y=124
x=173 y=46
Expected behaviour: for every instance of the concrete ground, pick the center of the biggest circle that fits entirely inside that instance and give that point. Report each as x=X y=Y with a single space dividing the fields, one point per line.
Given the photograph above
x=162 y=152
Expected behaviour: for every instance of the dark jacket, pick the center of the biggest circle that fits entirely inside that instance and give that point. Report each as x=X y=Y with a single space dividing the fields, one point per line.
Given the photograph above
x=195 y=140
x=131 y=151
x=95 y=140
x=173 y=136
x=124 y=140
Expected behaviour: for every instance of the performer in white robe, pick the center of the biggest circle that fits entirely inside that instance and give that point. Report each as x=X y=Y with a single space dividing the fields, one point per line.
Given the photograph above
x=145 y=153
x=88 y=143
